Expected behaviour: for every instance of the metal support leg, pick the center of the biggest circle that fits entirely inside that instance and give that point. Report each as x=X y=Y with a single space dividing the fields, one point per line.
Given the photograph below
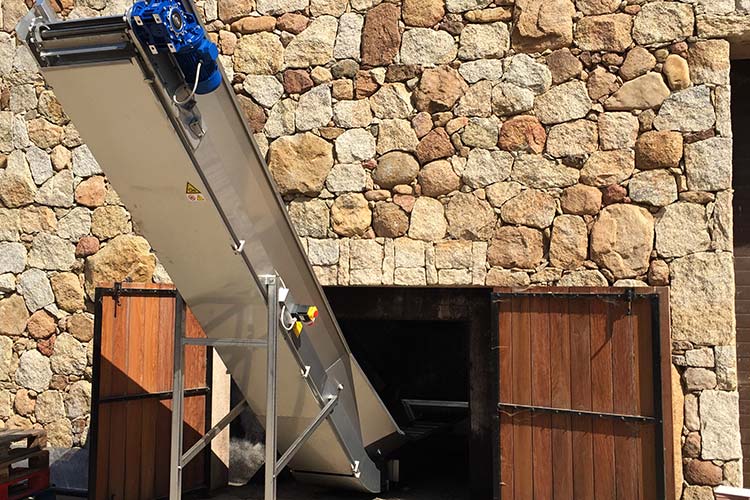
x=271 y=442
x=178 y=394
x=178 y=460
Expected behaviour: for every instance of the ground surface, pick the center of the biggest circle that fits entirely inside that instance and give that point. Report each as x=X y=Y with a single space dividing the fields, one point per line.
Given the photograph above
x=434 y=468
x=431 y=469
x=435 y=490
x=293 y=491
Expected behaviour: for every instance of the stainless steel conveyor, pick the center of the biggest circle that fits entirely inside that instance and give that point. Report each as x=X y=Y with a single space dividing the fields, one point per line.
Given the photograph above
x=186 y=166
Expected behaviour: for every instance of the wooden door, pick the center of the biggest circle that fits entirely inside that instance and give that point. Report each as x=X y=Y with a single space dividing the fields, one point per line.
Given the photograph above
x=131 y=414
x=580 y=397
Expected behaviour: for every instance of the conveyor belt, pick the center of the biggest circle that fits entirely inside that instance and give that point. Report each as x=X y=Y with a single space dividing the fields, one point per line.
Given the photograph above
x=150 y=149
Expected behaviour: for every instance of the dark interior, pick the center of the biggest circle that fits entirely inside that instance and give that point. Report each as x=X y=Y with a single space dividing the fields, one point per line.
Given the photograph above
x=741 y=183
x=424 y=351
x=406 y=360
x=424 y=361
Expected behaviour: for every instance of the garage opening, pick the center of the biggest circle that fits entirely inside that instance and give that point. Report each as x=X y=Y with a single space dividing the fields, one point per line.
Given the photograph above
x=420 y=371
x=741 y=183
x=423 y=351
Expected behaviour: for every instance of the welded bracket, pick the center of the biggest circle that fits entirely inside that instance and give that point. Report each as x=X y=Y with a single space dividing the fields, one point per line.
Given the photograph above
x=40 y=13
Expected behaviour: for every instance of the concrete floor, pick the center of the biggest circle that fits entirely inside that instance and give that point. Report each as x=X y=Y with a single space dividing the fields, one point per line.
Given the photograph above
x=434 y=490
x=433 y=469
x=291 y=491
x=436 y=480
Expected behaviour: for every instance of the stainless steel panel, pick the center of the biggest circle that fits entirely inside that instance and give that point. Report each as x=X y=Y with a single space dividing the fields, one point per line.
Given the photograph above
x=133 y=138
x=376 y=422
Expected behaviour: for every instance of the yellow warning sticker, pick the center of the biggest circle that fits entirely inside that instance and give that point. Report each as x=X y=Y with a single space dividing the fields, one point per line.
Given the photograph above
x=193 y=193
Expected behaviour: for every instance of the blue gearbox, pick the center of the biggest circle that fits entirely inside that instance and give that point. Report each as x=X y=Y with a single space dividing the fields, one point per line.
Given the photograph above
x=166 y=26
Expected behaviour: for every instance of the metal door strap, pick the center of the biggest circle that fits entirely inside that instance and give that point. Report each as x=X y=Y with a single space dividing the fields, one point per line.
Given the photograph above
x=580 y=413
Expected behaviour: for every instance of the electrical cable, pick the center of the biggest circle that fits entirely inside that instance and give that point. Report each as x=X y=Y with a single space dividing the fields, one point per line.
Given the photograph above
x=287 y=328
x=195 y=87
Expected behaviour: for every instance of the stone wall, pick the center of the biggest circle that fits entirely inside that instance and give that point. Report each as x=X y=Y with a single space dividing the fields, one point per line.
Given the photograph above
x=418 y=142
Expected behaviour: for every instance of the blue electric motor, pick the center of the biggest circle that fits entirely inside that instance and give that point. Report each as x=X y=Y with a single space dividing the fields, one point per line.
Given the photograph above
x=166 y=26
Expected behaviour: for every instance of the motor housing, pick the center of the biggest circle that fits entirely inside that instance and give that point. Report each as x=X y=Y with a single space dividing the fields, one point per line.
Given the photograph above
x=166 y=26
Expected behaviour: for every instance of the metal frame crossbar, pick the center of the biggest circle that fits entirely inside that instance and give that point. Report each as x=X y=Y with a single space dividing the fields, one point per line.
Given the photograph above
x=410 y=404
x=178 y=458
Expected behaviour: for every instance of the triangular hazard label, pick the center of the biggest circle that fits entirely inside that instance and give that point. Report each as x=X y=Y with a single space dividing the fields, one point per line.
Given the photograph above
x=190 y=189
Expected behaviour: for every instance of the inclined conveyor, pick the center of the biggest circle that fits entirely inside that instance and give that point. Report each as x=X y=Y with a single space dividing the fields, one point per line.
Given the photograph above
x=149 y=98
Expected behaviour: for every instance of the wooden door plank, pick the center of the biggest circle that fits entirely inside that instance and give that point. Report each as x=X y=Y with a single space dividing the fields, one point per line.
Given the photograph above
x=194 y=425
x=164 y=382
x=166 y=339
x=669 y=449
x=135 y=346
x=580 y=362
x=149 y=416
x=626 y=402
x=133 y=450
x=601 y=400
x=523 y=485
x=562 y=443
x=150 y=407
x=646 y=440
x=644 y=355
x=106 y=349
x=119 y=357
x=116 y=487
x=195 y=356
x=541 y=396
x=505 y=364
x=163 y=438
x=119 y=386
x=103 y=429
